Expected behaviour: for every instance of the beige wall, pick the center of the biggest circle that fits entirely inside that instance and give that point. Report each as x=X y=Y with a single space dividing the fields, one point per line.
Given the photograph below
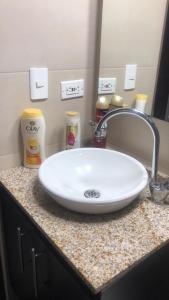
x=132 y=136
x=131 y=33
x=59 y=35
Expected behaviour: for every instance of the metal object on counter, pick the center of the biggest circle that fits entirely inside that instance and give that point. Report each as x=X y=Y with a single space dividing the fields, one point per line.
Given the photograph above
x=159 y=190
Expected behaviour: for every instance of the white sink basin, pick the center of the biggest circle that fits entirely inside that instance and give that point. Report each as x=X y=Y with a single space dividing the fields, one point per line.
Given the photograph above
x=92 y=180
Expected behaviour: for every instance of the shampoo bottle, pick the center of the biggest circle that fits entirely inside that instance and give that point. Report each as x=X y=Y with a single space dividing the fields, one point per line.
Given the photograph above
x=140 y=102
x=33 y=132
x=72 y=130
x=102 y=107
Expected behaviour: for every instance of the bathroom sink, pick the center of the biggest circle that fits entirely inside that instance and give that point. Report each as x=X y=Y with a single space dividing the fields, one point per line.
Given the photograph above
x=92 y=180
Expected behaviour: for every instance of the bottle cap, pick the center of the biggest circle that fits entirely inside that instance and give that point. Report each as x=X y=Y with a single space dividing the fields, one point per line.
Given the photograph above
x=102 y=103
x=141 y=97
x=125 y=105
x=117 y=101
x=72 y=113
x=32 y=113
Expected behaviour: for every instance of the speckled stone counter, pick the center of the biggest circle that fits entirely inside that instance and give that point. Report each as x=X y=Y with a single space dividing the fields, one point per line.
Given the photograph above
x=101 y=247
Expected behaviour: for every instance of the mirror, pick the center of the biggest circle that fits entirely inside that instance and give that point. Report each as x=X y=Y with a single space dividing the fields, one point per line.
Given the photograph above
x=132 y=34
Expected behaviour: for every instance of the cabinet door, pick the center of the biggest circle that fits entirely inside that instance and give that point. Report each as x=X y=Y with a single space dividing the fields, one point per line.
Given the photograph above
x=35 y=270
x=18 y=242
x=2 y=290
x=52 y=279
x=66 y=285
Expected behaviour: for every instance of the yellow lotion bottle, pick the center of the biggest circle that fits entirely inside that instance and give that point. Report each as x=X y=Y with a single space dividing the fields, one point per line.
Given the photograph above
x=33 y=132
x=141 y=101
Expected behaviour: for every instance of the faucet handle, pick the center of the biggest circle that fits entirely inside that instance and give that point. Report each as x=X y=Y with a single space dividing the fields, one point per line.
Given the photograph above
x=166 y=184
x=160 y=191
x=92 y=123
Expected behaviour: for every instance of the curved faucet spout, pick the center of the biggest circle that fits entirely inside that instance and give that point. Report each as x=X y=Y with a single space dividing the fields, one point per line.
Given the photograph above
x=148 y=120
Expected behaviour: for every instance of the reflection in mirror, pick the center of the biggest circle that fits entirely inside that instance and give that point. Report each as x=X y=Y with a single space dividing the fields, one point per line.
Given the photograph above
x=132 y=34
x=161 y=101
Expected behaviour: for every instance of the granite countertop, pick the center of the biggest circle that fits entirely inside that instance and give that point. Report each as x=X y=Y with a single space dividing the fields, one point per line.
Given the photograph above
x=99 y=248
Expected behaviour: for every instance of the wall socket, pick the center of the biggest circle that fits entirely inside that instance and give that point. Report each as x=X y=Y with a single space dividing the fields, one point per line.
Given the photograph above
x=107 y=86
x=72 y=89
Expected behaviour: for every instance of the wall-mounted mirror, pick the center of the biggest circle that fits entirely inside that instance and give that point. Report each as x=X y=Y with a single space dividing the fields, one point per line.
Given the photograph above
x=135 y=33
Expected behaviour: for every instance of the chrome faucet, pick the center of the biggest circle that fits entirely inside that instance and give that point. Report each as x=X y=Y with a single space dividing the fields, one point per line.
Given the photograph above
x=159 y=190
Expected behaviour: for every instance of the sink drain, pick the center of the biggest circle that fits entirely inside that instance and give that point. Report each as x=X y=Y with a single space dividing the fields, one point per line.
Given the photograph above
x=92 y=194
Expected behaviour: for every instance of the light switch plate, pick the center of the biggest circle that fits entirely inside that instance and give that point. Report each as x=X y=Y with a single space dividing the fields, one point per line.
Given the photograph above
x=38 y=83
x=130 y=77
x=107 y=86
x=72 y=89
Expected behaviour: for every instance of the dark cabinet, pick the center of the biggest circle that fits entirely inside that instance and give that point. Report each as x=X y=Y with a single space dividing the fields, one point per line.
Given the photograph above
x=35 y=271
x=18 y=242
x=2 y=289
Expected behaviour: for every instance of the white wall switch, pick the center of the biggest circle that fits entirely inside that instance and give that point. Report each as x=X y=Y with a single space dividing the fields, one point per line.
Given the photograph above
x=130 y=77
x=72 y=89
x=107 y=86
x=38 y=83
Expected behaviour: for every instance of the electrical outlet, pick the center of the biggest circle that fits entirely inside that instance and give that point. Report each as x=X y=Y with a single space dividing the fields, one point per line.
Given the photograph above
x=107 y=86
x=72 y=89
